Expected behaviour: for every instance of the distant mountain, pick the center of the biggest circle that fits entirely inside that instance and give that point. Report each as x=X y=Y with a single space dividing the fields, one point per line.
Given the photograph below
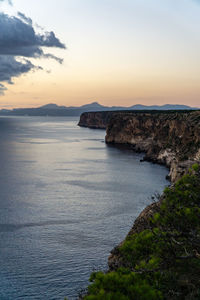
x=52 y=109
x=95 y=105
x=52 y=106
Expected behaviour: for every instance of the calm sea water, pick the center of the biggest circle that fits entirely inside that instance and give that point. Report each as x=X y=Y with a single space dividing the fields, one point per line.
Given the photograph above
x=66 y=199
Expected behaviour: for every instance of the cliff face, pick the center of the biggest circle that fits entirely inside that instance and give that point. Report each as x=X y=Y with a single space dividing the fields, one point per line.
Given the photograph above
x=165 y=237
x=168 y=137
x=96 y=120
x=172 y=139
x=100 y=119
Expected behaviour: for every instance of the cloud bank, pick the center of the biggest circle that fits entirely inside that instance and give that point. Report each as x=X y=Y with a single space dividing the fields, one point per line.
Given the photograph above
x=18 y=43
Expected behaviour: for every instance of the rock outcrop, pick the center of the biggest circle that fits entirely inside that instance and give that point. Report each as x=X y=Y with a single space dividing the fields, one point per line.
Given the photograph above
x=95 y=120
x=101 y=119
x=172 y=139
x=167 y=137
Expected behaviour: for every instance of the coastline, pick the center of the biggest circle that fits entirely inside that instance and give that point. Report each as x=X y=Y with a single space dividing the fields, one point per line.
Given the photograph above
x=132 y=129
x=167 y=137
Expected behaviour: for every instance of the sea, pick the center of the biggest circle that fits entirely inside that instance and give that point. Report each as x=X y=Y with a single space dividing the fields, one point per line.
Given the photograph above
x=66 y=199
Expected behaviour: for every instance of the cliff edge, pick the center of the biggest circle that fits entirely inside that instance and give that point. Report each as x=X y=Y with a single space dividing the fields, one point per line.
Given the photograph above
x=95 y=120
x=160 y=257
x=172 y=139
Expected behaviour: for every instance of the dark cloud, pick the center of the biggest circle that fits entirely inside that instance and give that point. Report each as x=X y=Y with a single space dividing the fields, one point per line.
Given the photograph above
x=18 y=37
x=18 y=43
x=9 y=1
x=25 y=18
x=10 y=67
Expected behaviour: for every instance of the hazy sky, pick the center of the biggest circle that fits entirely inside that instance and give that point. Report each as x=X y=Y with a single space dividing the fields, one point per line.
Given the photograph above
x=119 y=52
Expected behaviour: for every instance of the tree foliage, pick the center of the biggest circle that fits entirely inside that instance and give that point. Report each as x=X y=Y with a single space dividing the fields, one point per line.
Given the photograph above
x=163 y=261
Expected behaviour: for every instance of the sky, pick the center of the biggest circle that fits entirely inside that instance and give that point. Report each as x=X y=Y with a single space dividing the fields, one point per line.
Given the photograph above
x=116 y=52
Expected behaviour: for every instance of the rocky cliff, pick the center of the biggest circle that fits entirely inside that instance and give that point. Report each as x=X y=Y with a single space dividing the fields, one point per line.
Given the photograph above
x=160 y=257
x=172 y=139
x=100 y=119
x=167 y=137
x=96 y=120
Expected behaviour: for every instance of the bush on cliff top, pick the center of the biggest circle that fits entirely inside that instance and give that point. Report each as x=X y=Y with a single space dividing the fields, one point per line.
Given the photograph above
x=162 y=262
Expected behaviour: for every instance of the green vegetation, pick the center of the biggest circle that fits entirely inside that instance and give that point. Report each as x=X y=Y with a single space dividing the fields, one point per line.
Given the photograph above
x=163 y=260
x=195 y=167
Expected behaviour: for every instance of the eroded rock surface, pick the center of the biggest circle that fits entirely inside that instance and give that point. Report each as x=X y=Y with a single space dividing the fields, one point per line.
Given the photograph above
x=167 y=137
x=96 y=120
x=172 y=139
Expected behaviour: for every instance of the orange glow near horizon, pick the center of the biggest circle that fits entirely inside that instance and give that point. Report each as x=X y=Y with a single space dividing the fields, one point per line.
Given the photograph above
x=44 y=89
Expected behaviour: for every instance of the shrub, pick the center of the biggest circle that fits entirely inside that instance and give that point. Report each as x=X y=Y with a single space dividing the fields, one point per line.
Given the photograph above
x=162 y=262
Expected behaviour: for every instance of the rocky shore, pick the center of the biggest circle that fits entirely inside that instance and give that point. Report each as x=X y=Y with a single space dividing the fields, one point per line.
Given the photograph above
x=171 y=138
x=159 y=258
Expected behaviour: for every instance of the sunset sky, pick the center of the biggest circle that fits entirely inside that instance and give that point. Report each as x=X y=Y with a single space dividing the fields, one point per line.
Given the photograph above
x=118 y=52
